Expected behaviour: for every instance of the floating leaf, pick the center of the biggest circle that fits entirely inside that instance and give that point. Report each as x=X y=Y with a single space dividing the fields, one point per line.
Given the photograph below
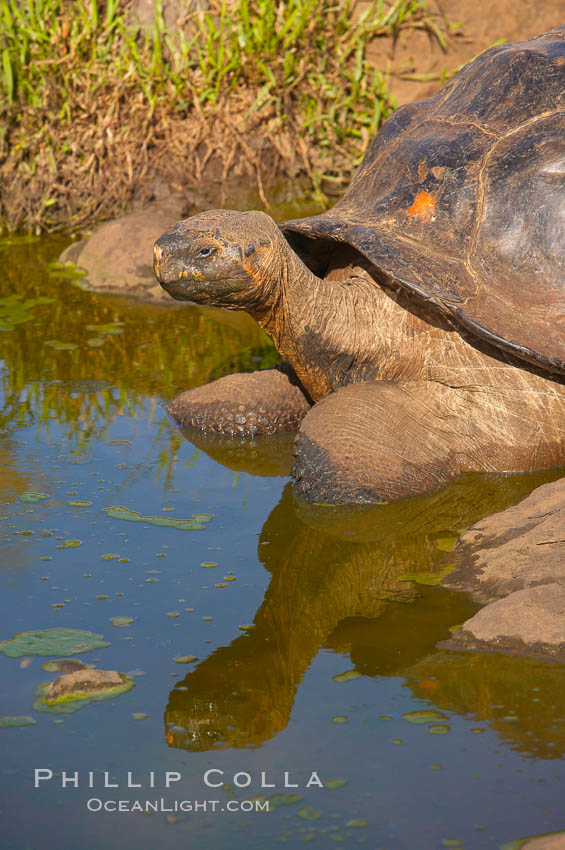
x=348 y=676
x=110 y=329
x=194 y=524
x=426 y=716
x=32 y=498
x=446 y=544
x=65 y=665
x=439 y=729
x=426 y=578
x=334 y=784
x=340 y=718
x=14 y=311
x=278 y=800
x=16 y=720
x=77 y=503
x=52 y=642
x=68 y=271
x=120 y=622
x=185 y=659
x=60 y=346
x=308 y=814
x=70 y=544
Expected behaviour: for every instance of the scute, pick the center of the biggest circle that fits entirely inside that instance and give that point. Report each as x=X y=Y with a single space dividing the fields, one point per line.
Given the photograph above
x=461 y=199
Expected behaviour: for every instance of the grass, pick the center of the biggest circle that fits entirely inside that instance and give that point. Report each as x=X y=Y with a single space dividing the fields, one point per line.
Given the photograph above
x=93 y=106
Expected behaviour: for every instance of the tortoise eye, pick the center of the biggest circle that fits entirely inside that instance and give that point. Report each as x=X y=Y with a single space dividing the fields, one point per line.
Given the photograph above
x=202 y=253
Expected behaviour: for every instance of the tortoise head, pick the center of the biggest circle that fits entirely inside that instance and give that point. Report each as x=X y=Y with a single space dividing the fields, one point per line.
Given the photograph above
x=221 y=257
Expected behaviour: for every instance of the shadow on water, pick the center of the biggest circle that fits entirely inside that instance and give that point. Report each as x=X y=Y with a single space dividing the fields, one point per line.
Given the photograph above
x=334 y=585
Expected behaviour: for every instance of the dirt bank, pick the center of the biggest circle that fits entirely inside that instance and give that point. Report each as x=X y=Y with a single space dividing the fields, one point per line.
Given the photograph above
x=80 y=145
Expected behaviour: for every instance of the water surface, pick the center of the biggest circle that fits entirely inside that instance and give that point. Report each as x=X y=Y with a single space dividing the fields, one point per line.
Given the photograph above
x=310 y=655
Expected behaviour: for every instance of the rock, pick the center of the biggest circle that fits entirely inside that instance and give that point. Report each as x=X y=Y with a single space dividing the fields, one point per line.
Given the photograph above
x=118 y=257
x=83 y=682
x=530 y=621
x=521 y=547
x=555 y=841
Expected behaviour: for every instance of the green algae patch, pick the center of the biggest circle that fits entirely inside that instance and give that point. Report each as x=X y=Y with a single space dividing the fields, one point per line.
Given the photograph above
x=70 y=544
x=33 y=498
x=79 y=503
x=308 y=814
x=52 y=642
x=59 y=345
x=439 y=729
x=195 y=524
x=426 y=716
x=68 y=271
x=185 y=659
x=278 y=800
x=334 y=784
x=348 y=676
x=427 y=578
x=8 y=722
x=120 y=622
x=15 y=311
x=69 y=703
x=65 y=665
x=111 y=329
x=446 y=544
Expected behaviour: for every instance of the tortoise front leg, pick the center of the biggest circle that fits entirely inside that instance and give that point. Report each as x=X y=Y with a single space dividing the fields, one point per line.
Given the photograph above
x=384 y=440
x=244 y=405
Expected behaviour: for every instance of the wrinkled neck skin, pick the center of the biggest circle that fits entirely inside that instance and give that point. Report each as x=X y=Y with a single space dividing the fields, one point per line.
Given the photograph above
x=334 y=330
x=287 y=298
x=348 y=327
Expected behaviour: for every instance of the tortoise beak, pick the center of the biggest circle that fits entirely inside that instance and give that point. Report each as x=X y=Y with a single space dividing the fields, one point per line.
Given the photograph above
x=166 y=266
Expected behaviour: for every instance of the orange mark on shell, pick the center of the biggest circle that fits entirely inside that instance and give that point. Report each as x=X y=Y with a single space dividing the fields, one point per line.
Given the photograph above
x=423 y=206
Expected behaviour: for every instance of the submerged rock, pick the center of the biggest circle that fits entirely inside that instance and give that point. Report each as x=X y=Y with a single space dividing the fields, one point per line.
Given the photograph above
x=82 y=682
x=531 y=621
x=551 y=841
x=72 y=691
x=118 y=257
x=65 y=665
x=520 y=547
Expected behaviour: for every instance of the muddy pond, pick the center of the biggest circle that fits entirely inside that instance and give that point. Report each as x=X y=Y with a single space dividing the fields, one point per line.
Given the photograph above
x=265 y=637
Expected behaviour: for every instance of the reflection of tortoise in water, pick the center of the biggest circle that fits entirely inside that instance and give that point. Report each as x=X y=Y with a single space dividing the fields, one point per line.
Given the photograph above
x=425 y=313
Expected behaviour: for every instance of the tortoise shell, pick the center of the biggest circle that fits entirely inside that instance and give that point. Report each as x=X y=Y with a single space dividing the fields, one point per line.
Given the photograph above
x=461 y=199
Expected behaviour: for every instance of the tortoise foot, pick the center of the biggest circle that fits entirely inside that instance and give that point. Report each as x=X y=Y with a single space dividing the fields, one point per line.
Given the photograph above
x=379 y=441
x=244 y=405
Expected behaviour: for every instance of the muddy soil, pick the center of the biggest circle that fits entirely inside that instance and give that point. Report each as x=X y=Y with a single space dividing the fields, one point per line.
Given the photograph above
x=417 y=54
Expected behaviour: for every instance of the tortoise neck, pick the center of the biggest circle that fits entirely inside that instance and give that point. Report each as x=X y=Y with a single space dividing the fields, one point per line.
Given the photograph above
x=290 y=296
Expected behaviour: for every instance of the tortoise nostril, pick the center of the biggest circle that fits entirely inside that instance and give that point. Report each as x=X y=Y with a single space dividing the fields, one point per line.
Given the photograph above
x=158 y=253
